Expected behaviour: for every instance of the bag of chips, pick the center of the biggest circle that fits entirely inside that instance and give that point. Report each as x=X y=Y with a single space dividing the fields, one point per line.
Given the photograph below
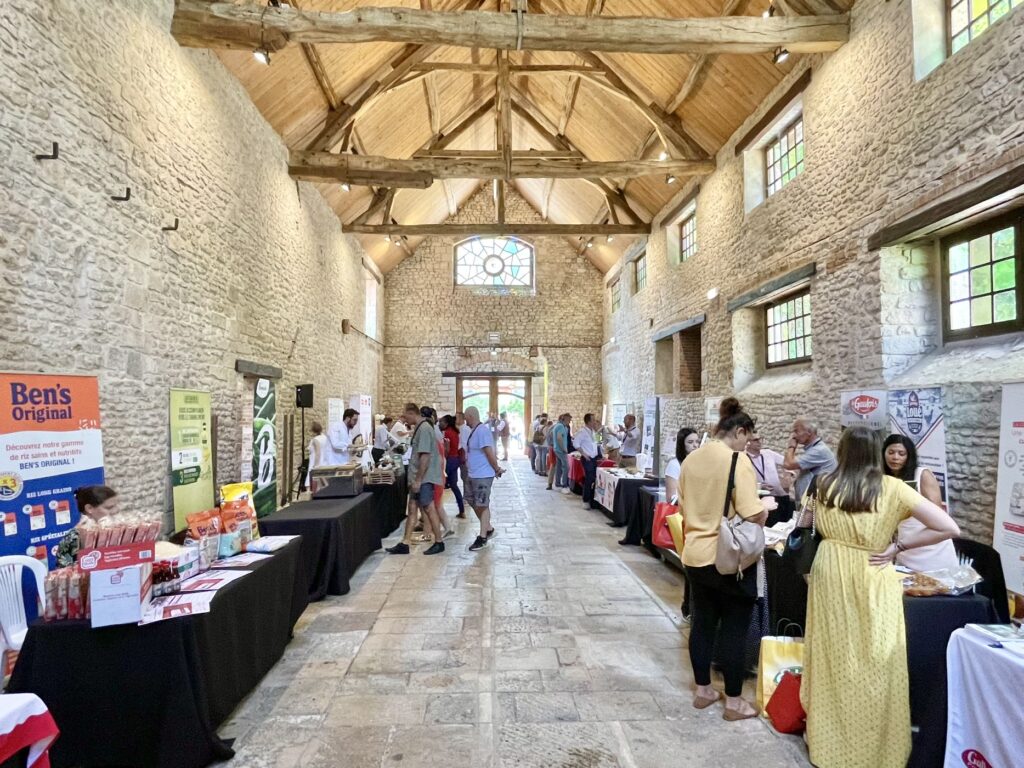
x=241 y=492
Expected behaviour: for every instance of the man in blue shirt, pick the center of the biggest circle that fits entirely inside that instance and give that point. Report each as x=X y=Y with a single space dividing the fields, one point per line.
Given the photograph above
x=482 y=467
x=560 y=443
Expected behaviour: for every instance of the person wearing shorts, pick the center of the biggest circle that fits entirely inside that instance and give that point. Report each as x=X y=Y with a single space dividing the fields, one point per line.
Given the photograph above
x=482 y=467
x=425 y=476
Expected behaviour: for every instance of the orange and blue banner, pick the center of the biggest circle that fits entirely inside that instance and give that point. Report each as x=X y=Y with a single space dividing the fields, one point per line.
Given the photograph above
x=50 y=445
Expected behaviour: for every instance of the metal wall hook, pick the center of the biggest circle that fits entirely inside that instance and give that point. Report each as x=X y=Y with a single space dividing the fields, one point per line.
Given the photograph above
x=171 y=229
x=120 y=199
x=53 y=154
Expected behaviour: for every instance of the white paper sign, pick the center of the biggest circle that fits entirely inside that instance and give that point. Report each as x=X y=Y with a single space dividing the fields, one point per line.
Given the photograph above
x=211 y=581
x=1008 y=533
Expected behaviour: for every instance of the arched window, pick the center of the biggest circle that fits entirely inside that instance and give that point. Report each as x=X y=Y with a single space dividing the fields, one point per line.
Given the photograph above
x=494 y=262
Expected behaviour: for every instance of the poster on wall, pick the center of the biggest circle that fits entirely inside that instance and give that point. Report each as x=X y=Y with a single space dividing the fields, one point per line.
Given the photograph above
x=50 y=445
x=191 y=454
x=711 y=406
x=617 y=415
x=649 y=448
x=364 y=404
x=864 y=408
x=1008 y=532
x=917 y=413
x=335 y=411
x=264 y=448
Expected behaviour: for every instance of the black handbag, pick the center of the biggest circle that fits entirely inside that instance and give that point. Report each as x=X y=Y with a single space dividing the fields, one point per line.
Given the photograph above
x=802 y=543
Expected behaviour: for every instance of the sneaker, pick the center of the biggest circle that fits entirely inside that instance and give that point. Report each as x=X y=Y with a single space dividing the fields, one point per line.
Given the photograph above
x=564 y=490
x=490 y=534
x=550 y=488
x=479 y=543
x=436 y=549
x=399 y=549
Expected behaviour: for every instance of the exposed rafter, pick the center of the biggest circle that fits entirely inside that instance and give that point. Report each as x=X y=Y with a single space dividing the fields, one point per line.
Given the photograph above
x=202 y=24
x=492 y=228
x=700 y=65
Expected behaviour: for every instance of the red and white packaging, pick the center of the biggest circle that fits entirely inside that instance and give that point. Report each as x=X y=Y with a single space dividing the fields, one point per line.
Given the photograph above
x=120 y=582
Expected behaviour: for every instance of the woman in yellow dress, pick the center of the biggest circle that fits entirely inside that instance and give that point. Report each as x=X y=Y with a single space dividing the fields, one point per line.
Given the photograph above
x=855 y=687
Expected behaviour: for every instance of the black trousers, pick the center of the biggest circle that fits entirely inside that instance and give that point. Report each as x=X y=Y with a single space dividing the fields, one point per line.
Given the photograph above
x=589 y=479
x=720 y=609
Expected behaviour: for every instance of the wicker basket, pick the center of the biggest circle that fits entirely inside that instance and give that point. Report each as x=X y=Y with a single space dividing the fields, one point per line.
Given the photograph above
x=381 y=476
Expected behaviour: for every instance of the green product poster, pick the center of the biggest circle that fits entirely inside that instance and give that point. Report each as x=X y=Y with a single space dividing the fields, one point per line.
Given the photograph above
x=264 y=448
x=191 y=453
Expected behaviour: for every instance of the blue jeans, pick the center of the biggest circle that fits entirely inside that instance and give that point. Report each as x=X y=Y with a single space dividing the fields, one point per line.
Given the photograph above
x=561 y=470
x=452 y=466
x=540 y=466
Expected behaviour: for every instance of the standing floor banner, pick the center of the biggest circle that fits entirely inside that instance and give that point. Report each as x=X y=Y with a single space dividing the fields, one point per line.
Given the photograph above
x=649 y=447
x=1008 y=533
x=50 y=445
x=264 y=448
x=917 y=413
x=191 y=454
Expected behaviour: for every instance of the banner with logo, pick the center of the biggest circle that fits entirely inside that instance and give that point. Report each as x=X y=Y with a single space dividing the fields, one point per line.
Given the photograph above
x=264 y=448
x=649 y=448
x=191 y=453
x=1008 y=533
x=50 y=445
x=864 y=408
x=917 y=413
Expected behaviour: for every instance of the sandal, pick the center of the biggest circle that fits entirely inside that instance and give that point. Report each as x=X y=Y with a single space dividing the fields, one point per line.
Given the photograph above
x=734 y=715
x=703 y=702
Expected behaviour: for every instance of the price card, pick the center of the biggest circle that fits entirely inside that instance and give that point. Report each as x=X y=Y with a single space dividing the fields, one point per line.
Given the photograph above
x=10 y=524
x=37 y=517
x=62 y=509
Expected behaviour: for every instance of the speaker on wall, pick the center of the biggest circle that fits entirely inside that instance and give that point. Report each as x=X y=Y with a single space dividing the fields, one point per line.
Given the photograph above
x=304 y=396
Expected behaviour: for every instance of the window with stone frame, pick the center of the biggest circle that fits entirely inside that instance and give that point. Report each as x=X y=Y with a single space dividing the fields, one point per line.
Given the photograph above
x=788 y=329
x=640 y=273
x=981 y=279
x=967 y=19
x=784 y=156
x=504 y=264
x=688 y=236
x=616 y=295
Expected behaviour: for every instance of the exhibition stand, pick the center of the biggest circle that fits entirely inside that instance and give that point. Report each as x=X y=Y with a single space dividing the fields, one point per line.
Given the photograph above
x=618 y=493
x=155 y=695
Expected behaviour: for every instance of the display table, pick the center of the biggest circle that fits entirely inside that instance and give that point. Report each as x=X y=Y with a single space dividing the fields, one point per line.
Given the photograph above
x=639 y=526
x=155 y=695
x=337 y=535
x=26 y=726
x=389 y=504
x=929 y=623
x=576 y=473
x=620 y=496
x=985 y=684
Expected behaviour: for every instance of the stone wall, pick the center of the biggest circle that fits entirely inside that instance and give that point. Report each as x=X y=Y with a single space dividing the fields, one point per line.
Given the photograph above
x=428 y=320
x=879 y=144
x=258 y=269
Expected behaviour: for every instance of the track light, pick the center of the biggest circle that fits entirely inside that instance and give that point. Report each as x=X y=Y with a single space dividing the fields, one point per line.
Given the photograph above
x=770 y=12
x=262 y=55
x=780 y=55
x=663 y=156
x=609 y=239
x=670 y=179
x=590 y=244
x=345 y=187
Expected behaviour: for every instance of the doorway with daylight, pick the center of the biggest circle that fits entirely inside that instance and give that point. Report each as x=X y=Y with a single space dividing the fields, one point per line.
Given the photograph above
x=498 y=394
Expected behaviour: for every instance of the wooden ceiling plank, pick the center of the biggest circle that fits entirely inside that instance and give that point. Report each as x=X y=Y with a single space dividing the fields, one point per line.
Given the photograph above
x=203 y=24
x=493 y=228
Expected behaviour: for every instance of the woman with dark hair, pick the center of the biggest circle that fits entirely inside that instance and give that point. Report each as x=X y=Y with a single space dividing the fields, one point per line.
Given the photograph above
x=94 y=501
x=721 y=605
x=687 y=441
x=453 y=460
x=901 y=462
x=855 y=687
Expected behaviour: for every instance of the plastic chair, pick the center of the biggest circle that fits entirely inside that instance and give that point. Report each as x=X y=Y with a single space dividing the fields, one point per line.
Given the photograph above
x=12 y=601
x=989 y=566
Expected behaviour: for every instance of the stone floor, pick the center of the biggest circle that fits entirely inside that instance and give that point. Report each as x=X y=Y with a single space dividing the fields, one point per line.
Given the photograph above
x=553 y=647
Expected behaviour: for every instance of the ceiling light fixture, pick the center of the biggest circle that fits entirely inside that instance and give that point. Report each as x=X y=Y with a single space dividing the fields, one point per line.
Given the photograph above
x=663 y=156
x=262 y=55
x=609 y=239
x=712 y=294
x=670 y=179
x=345 y=187
x=780 y=55
x=590 y=244
x=770 y=12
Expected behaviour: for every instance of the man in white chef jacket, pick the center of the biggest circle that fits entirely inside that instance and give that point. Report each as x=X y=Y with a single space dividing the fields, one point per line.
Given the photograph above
x=341 y=436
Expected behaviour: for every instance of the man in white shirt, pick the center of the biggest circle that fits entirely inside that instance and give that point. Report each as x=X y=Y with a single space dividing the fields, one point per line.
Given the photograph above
x=382 y=439
x=341 y=436
x=503 y=434
x=586 y=443
x=629 y=434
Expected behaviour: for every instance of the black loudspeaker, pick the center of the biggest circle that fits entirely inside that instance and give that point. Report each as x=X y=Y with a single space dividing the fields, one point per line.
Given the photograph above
x=304 y=396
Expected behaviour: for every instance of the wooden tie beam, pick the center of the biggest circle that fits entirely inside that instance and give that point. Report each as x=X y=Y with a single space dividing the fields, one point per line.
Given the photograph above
x=493 y=228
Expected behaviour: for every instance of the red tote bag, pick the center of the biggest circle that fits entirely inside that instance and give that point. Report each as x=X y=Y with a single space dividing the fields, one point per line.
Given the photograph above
x=784 y=707
x=660 y=534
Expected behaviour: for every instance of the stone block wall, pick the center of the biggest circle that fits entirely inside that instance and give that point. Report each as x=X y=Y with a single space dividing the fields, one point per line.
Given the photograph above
x=258 y=268
x=428 y=320
x=879 y=144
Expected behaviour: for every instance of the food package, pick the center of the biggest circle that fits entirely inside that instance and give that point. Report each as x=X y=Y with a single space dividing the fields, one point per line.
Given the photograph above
x=50 y=586
x=75 y=610
x=233 y=514
x=241 y=492
x=205 y=523
x=947 y=581
x=230 y=544
x=62 y=595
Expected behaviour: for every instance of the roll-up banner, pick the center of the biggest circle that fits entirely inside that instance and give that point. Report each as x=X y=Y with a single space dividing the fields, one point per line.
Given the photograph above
x=264 y=448
x=191 y=453
x=50 y=445
x=917 y=413
x=1008 y=533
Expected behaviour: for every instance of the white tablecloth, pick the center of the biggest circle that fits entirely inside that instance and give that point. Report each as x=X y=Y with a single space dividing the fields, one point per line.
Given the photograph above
x=604 y=488
x=26 y=722
x=985 y=703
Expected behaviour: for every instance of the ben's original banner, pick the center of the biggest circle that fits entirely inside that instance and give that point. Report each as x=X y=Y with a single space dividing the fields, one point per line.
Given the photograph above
x=50 y=445
x=191 y=453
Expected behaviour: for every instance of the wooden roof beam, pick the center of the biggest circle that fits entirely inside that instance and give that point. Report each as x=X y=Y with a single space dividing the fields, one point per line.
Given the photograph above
x=492 y=228
x=323 y=166
x=700 y=66
x=206 y=24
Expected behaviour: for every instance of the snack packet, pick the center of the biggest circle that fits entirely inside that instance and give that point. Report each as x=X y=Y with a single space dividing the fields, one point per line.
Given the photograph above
x=241 y=492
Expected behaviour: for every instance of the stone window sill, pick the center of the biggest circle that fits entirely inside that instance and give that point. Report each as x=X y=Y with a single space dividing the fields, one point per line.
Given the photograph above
x=993 y=360
x=788 y=380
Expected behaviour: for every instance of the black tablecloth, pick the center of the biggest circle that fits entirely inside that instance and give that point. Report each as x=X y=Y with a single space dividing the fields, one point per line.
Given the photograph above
x=337 y=535
x=929 y=620
x=389 y=504
x=154 y=695
x=627 y=499
x=640 y=525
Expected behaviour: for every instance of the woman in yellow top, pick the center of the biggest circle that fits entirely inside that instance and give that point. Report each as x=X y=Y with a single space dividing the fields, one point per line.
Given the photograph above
x=720 y=606
x=855 y=687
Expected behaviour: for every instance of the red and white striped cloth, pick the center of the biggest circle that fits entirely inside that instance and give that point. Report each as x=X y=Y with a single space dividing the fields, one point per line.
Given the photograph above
x=26 y=722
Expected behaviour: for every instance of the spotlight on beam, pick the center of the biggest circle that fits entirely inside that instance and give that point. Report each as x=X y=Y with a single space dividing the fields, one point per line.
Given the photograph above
x=663 y=156
x=345 y=187
x=780 y=55
x=262 y=55
x=609 y=239
x=670 y=179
